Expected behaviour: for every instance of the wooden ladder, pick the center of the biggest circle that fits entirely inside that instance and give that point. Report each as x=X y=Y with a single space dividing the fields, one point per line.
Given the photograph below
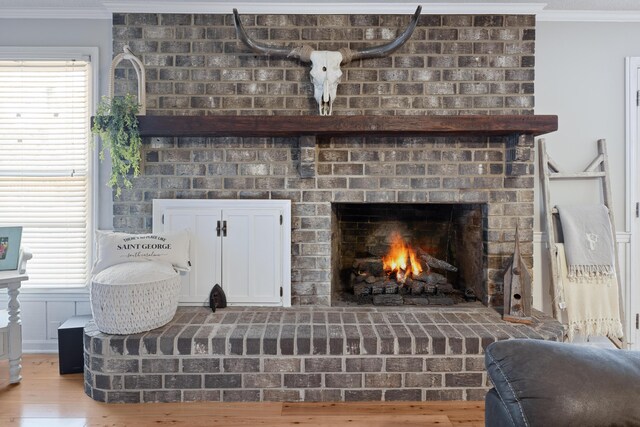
x=597 y=169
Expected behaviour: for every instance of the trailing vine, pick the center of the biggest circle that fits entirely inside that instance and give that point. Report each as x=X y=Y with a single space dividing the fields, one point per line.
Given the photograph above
x=117 y=126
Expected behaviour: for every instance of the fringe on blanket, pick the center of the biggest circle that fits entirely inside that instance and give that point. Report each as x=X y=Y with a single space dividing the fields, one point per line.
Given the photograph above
x=597 y=327
x=590 y=273
x=591 y=308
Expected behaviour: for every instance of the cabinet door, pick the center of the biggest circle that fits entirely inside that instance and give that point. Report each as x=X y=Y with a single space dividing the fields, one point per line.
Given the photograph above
x=204 y=251
x=251 y=256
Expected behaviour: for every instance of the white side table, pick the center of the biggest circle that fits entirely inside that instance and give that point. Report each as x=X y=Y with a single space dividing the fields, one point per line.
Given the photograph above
x=10 y=324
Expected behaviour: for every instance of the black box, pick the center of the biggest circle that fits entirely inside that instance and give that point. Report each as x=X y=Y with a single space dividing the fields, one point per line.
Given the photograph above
x=70 y=347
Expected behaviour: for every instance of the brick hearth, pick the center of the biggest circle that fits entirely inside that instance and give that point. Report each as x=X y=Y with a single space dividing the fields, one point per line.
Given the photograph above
x=304 y=353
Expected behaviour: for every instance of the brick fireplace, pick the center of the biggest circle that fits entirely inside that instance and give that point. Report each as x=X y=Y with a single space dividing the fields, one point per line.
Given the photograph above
x=443 y=127
x=452 y=65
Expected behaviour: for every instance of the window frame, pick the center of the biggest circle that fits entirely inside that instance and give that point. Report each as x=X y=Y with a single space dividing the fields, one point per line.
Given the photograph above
x=69 y=53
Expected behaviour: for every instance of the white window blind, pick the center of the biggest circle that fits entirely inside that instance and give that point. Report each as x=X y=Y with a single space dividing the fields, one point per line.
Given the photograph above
x=44 y=165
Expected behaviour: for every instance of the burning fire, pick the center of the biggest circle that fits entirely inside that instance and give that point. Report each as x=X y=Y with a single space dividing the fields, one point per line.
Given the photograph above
x=401 y=259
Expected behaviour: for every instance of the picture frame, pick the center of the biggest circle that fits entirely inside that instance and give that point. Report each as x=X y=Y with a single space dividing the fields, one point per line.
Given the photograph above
x=10 y=247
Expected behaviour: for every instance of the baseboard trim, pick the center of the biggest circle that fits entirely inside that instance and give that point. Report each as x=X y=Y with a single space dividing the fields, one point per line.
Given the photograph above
x=42 y=346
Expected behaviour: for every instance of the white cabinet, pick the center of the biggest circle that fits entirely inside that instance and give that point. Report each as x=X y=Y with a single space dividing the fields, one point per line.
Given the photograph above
x=243 y=245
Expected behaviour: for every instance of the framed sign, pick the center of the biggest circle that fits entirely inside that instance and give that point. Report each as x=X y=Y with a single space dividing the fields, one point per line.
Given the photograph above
x=9 y=247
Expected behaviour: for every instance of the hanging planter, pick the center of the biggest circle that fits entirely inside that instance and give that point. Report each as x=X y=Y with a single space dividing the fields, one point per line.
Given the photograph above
x=116 y=124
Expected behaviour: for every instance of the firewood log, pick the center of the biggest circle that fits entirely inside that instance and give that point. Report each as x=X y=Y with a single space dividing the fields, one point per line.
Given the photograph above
x=360 y=278
x=377 y=288
x=371 y=279
x=361 y=289
x=434 y=262
x=431 y=278
x=390 y=287
x=372 y=266
x=446 y=288
x=416 y=287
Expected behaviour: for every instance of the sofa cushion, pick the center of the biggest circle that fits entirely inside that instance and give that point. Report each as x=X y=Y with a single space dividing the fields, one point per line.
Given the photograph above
x=545 y=383
x=495 y=411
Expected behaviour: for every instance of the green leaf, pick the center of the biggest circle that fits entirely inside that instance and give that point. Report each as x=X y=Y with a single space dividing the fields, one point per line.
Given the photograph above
x=116 y=124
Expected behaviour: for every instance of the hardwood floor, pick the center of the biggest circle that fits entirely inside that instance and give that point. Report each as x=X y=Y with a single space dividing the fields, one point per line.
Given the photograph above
x=45 y=398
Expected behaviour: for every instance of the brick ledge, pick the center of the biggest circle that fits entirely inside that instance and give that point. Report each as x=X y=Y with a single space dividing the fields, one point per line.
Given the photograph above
x=303 y=353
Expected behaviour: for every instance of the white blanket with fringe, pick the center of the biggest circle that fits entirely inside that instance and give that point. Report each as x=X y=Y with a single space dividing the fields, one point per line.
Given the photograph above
x=592 y=307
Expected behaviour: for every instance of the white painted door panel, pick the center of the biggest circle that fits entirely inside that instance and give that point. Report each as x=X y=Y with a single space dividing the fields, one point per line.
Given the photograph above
x=632 y=201
x=631 y=303
x=266 y=260
x=204 y=251
x=251 y=264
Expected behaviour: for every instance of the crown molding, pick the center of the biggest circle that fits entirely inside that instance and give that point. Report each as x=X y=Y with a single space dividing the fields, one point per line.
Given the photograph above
x=588 y=16
x=292 y=7
x=103 y=9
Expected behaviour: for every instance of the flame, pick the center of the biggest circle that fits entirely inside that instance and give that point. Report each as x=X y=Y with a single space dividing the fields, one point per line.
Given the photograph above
x=401 y=259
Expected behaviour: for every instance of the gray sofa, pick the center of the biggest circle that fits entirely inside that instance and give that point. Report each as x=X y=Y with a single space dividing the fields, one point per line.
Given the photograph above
x=544 y=383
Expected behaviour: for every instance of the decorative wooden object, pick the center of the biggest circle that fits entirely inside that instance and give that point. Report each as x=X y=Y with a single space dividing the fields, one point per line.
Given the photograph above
x=550 y=171
x=391 y=126
x=517 y=289
x=138 y=66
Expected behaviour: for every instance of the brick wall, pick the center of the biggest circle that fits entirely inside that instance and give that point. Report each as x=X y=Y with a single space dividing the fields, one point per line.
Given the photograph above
x=451 y=65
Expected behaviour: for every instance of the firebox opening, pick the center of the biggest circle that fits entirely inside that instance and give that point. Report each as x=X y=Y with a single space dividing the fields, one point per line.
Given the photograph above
x=407 y=254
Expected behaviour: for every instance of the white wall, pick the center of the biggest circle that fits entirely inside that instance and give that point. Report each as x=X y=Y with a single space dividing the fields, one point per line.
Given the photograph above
x=43 y=313
x=580 y=76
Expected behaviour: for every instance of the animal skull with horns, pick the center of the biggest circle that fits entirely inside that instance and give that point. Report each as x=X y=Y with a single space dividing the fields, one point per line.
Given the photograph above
x=325 y=69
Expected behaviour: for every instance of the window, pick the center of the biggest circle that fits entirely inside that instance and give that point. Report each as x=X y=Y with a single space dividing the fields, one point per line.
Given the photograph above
x=45 y=165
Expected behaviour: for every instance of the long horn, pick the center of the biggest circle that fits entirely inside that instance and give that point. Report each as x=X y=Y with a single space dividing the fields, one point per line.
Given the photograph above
x=259 y=47
x=385 y=49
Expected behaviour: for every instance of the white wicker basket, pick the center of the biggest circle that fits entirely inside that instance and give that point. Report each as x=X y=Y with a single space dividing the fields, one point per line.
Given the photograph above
x=134 y=297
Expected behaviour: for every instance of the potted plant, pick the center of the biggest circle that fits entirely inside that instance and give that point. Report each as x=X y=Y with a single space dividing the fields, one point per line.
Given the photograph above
x=117 y=126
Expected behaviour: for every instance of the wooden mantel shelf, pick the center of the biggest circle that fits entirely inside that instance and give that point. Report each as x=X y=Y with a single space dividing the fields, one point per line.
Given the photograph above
x=399 y=126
